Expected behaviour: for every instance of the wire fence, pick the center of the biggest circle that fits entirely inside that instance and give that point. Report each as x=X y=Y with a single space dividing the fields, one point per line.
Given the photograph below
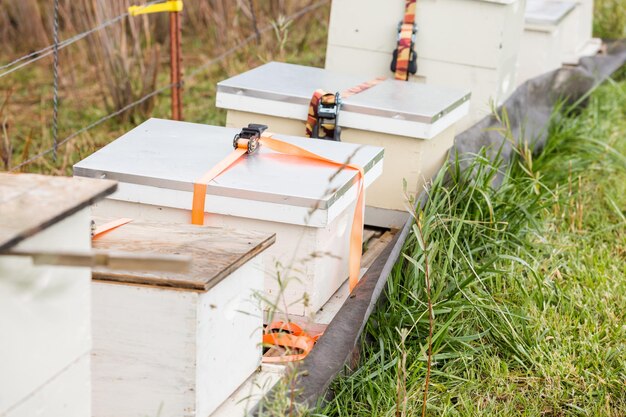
x=48 y=50
x=92 y=125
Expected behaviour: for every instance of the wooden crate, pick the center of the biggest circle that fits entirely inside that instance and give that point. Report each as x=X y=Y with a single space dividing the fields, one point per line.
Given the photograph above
x=309 y=205
x=45 y=311
x=177 y=345
x=416 y=124
x=469 y=44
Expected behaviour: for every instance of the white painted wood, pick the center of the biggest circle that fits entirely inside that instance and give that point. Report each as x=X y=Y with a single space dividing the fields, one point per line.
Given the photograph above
x=587 y=44
x=378 y=217
x=312 y=244
x=67 y=394
x=449 y=30
x=262 y=211
x=311 y=249
x=546 y=44
x=540 y=53
x=386 y=125
x=312 y=260
x=582 y=43
x=461 y=43
x=415 y=161
x=332 y=307
x=489 y=87
x=45 y=323
x=242 y=401
x=259 y=385
x=585 y=22
x=143 y=338
x=486 y=84
x=174 y=353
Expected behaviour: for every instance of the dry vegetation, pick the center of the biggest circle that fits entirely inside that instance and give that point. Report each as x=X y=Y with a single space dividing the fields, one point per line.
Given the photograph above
x=120 y=64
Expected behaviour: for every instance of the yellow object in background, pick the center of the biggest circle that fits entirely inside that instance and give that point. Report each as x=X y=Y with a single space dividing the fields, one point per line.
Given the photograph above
x=168 y=6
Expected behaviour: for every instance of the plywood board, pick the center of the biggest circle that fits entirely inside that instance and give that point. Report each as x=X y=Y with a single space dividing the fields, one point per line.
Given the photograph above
x=216 y=252
x=30 y=203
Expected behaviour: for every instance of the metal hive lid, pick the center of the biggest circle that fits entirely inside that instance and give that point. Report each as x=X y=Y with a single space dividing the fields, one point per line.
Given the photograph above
x=542 y=12
x=172 y=155
x=392 y=99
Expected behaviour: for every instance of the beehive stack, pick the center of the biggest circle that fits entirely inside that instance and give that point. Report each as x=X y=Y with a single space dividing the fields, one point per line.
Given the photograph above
x=45 y=311
x=464 y=44
x=549 y=27
x=415 y=123
x=308 y=204
x=177 y=344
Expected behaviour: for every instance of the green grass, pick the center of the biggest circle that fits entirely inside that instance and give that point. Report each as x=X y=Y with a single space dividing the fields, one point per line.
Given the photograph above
x=610 y=19
x=528 y=287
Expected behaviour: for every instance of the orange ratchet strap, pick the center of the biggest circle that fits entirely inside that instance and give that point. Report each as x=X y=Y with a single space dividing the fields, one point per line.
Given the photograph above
x=404 y=60
x=99 y=231
x=288 y=335
x=323 y=117
x=247 y=142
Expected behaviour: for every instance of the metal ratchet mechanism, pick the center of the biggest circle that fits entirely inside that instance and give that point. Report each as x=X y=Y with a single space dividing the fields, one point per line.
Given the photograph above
x=412 y=54
x=252 y=134
x=328 y=114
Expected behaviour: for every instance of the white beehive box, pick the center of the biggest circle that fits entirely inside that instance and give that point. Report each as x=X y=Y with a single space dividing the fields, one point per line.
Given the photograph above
x=548 y=27
x=45 y=311
x=415 y=123
x=581 y=43
x=468 y=44
x=176 y=345
x=309 y=205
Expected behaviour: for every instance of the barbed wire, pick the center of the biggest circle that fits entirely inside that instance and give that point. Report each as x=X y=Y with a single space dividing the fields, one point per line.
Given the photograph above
x=49 y=50
x=189 y=76
x=55 y=82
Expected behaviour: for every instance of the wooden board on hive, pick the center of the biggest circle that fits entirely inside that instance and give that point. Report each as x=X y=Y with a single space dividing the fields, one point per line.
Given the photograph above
x=31 y=203
x=215 y=252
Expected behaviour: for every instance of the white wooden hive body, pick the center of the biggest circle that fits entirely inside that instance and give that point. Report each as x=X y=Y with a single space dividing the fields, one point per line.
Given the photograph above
x=174 y=353
x=460 y=43
x=582 y=42
x=415 y=124
x=45 y=314
x=312 y=243
x=549 y=30
x=45 y=311
x=177 y=344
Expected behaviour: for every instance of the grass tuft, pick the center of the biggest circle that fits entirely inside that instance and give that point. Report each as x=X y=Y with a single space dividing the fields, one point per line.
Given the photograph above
x=528 y=286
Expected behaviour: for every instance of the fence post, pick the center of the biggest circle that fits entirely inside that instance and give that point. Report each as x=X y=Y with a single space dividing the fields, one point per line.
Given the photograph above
x=175 y=66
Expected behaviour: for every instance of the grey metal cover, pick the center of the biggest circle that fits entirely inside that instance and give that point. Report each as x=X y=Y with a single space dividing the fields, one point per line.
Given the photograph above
x=296 y=84
x=173 y=155
x=542 y=12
